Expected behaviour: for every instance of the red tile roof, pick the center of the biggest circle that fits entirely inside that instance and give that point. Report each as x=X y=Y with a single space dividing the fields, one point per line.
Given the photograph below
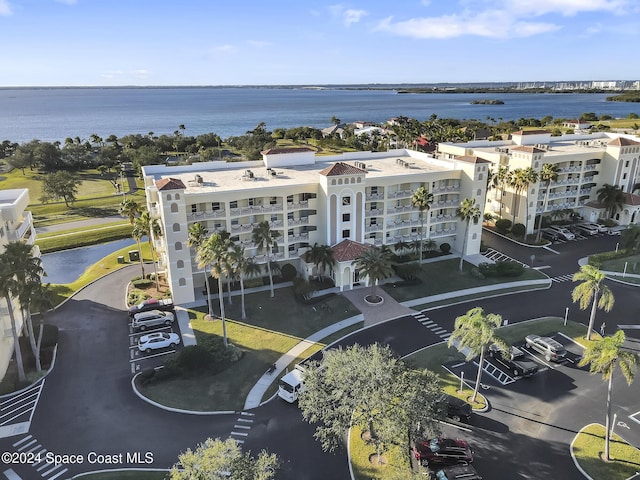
x=622 y=142
x=277 y=151
x=170 y=184
x=631 y=199
x=471 y=159
x=348 y=250
x=341 y=168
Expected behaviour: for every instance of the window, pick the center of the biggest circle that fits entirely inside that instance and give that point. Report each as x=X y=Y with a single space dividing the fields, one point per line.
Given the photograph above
x=273 y=200
x=374 y=221
x=177 y=196
x=346 y=233
x=346 y=217
x=292 y=248
x=233 y=204
x=624 y=176
x=176 y=227
x=194 y=208
x=333 y=182
x=215 y=206
x=479 y=192
x=289 y=198
x=174 y=208
x=346 y=200
x=182 y=282
x=374 y=190
x=626 y=164
x=178 y=246
x=180 y=264
x=252 y=201
x=168 y=196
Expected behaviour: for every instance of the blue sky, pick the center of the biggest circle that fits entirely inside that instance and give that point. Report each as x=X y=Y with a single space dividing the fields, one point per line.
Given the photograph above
x=206 y=42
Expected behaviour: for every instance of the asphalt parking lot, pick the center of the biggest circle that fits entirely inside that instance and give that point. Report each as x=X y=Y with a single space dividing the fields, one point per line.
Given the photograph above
x=138 y=360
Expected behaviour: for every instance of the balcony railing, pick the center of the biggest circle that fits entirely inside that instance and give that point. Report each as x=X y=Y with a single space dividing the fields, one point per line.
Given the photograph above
x=256 y=209
x=300 y=221
x=403 y=224
x=401 y=208
x=400 y=193
x=17 y=233
x=375 y=196
x=206 y=214
x=375 y=212
x=298 y=238
x=297 y=205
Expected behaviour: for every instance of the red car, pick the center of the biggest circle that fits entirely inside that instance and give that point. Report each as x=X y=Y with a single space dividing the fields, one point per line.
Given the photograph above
x=442 y=451
x=164 y=304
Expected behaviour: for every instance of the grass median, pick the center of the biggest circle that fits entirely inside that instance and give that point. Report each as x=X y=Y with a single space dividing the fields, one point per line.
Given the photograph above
x=273 y=327
x=588 y=447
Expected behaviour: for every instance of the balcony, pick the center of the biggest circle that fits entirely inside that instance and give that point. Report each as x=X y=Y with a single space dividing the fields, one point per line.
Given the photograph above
x=441 y=218
x=442 y=232
x=206 y=214
x=401 y=209
x=297 y=205
x=375 y=196
x=403 y=224
x=373 y=228
x=299 y=221
x=155 y=212
x=302 y=237
x=17 y=233
x=569 y=169
x=256 y=209
x=400 y=194
x=374 y=212
x=446 y=189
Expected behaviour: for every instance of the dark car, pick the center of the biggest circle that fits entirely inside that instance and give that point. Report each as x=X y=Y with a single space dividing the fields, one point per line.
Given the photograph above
x=457 y=472
x=442 y=451
x=455 y=408
x=165 y=305
x=549 y=235
x=516 y=363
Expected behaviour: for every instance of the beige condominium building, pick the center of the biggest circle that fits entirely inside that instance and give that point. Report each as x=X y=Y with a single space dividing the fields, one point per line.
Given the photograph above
x=345 y=201
x=16 y=224
x=585 y=163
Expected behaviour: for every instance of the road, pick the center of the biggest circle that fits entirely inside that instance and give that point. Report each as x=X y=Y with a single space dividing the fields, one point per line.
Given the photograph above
x=89 y=405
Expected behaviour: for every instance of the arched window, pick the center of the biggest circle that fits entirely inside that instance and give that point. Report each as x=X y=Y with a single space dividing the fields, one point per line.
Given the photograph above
x=333 y=182
x=168 y=196
x=177 y=196
x=339 y=181
x=176 y=227
x=174 y=208
x=178 y=246
x=180 y=264
x=479 y=192
x=182 y=282
x=359 y=180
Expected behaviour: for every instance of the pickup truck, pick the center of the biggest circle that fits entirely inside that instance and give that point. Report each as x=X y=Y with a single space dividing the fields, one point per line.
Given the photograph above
x=517 y=363
x=164 y=304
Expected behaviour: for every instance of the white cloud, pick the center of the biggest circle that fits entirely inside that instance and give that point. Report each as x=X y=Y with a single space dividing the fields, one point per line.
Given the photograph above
x=565 y=7
x=5 y=8
x=111 y=74
x=67 y=2
x=349 y=16
x=223 y=48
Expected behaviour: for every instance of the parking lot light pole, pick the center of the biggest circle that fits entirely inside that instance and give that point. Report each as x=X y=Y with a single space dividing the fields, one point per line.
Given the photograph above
x=461 y=381
x=566 y=315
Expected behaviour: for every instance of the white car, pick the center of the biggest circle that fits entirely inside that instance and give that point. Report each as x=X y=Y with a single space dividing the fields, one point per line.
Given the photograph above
x=586 y=229
x=601 y=228
x=155 y=341
x=562 y=232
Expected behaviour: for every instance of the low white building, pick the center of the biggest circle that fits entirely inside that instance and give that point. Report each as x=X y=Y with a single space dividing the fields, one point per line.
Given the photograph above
x=16 y=225
x=362 y=197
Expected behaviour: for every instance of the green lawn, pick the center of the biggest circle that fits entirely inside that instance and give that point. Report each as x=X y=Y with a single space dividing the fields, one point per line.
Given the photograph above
x=444 y=276
x=396 y=460
x=589 y=445
x=81 y=237
x=273 y=327
x=618 y=264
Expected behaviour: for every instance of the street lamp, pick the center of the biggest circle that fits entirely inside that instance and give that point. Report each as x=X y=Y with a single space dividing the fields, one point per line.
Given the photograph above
x=122 y=181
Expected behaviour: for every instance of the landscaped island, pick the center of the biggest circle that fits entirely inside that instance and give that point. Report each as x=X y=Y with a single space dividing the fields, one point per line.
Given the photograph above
x=486 y=101
x=625 y=97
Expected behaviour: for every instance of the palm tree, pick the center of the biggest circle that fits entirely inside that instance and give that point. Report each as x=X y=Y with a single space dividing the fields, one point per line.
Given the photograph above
x=548 y=174
x=137 y=232
x=151 y=229
x=520 y=181
x=322 y=258
x=19 y=271
x=34 y=294
x=529 y=176
x=422 y=200
x=212 y=252
x=588 y=292
x=375 y=263
x=611 y=197
x=244 y=268
x=196 y=236
x=467 y=211
x=400 y=246
x=602 y=356
x=266 y=240
x=130 y=209
x=502 y=179
x=475 y=331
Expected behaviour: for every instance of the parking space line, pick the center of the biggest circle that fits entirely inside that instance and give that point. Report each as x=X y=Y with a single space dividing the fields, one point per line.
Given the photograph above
x=145 y=332
x=152 y=356
x=633 y=417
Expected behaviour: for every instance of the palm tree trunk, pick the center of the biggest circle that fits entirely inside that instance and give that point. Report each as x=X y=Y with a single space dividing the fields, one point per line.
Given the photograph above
x=464 y=244
x=26 y=319
x=544 y=207
x=270 y=277
x=140 y=255
x=16 y=340
x=501 y=199
x=39 y=341
x=421 y=236
x=224 y=323
x=243 y=311
x=208 y=287
x=608 y=420
x=592 y=316
x=155 y=267
x=229 y=291
x=475 y=390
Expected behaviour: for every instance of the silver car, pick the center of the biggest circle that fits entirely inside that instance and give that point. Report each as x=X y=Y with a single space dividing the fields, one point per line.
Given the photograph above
x=153 y=318
x=550 y=348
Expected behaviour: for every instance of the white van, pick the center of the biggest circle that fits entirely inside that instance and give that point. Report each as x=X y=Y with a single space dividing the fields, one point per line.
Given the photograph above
x=292 y=384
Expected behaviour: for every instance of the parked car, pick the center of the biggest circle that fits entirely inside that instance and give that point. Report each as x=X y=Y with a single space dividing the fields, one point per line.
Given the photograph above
x=164 y=304
x=516 y=362
x=455 y=408
x=550 y=235
x=600 y=227
x=457 y=472
x=154 y=341
x=617 y=230
x=550 y=348
x=587 y=229
x=153 y=318
x=562 y=232
x=442 y=451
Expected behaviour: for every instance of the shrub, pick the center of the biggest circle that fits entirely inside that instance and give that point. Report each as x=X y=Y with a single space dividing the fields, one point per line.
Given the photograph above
x=518 y=230
x=253 y=282
x=288 y=272
x=142 y=283
x=194 y=358
x=407 y=271
x=503 y=225
x=476 y=273
x=501 y=269
x=302 y=287
x=445 y=247
x=136 y=296
x=599 y=258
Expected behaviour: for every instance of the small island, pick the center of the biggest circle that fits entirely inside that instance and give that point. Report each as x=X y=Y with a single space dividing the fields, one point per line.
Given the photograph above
x=625 y=97
x=486 y=101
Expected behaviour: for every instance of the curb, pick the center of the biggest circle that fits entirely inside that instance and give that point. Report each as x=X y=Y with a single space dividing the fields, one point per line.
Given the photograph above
x=485 y=229
x=171 y=409
x=84 y=474
x=41 y=379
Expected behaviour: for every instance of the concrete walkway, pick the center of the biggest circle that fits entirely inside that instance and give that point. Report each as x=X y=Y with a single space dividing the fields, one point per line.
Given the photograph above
x=188 y=337
x=373 y=314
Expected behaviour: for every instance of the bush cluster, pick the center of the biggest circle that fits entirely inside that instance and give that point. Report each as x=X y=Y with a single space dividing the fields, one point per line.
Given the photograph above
x=445 y=248
x=143 y=283
x=599 y=258
x=503 y=225
x=501 y=269
x=288 y=272
x=408 y=271
x=518 y=230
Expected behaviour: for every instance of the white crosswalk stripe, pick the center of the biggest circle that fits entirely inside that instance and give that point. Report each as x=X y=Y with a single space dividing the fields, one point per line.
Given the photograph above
x=431 y=325
x=242 y=423
x=43 y=468
x=496 y=256
x=17 y=411
x=563 y=278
